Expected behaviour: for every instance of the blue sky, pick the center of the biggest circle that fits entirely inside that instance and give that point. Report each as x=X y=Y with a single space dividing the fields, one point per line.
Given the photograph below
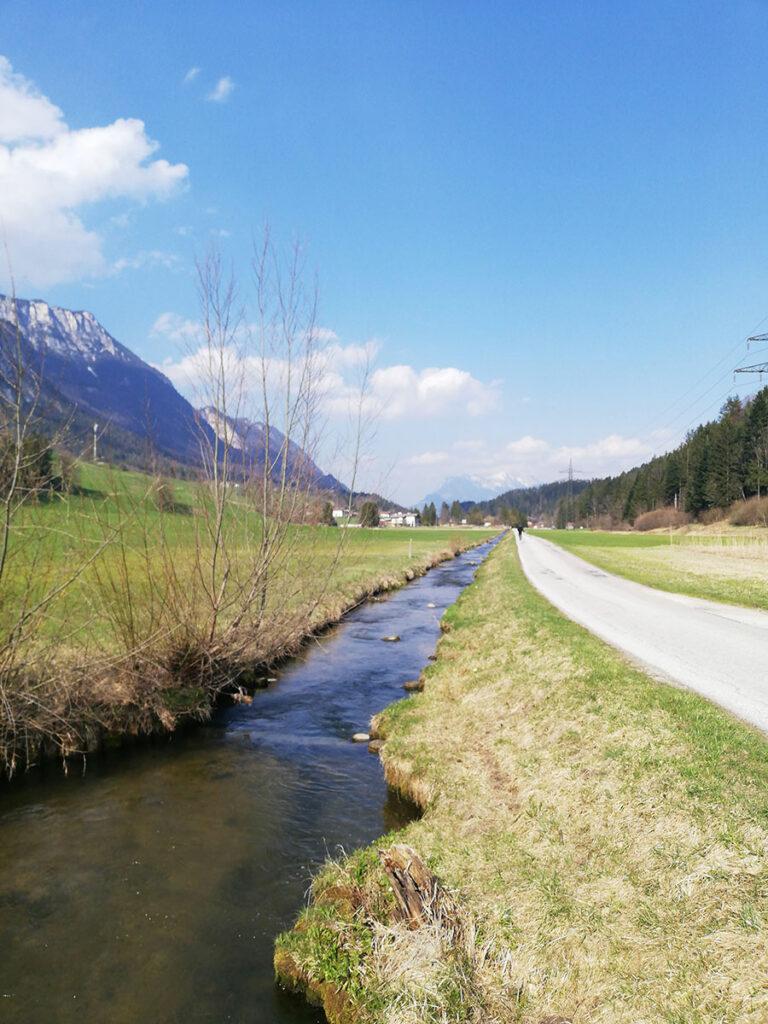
x=559 y=209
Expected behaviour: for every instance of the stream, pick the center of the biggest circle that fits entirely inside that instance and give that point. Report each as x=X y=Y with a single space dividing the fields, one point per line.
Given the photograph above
x=149 y=890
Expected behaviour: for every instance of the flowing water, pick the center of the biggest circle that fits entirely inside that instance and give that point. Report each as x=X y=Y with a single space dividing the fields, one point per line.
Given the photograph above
x=150 y=889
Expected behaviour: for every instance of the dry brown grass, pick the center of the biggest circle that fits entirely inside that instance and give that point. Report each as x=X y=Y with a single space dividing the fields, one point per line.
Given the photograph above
x=606 y=836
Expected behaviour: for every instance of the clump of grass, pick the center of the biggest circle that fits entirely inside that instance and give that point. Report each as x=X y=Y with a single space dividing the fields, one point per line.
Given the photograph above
x=605 y=835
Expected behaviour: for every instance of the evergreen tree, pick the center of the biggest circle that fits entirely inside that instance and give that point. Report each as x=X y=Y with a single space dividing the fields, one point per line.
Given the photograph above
x=445 y=513
x=672 y=479
x=697 y=496
x=369 y=514
x=457 y=512
x=724 y=484
x=755 y=445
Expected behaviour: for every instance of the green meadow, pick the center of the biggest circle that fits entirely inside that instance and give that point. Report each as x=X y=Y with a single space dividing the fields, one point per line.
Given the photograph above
x=730 y=565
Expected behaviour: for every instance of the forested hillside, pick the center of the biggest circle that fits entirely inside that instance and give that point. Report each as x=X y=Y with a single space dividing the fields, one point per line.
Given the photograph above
x=540 y=502
x=719 y=463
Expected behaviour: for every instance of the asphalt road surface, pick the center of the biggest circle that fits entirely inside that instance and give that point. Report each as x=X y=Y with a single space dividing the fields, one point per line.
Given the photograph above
x=719 y=650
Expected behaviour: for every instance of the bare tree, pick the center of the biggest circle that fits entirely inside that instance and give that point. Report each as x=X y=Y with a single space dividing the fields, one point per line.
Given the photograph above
x=32 y=579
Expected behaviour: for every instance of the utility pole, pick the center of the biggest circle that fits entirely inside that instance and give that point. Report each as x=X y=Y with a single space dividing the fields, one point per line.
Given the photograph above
x=95 y=441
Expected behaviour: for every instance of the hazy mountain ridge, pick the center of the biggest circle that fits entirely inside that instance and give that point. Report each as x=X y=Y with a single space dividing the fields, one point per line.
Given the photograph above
x=465 y=489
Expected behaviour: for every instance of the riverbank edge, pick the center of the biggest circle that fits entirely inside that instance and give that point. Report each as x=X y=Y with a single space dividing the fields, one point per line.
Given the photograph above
x=613 y=874
x=132 y=725
x=335 y=900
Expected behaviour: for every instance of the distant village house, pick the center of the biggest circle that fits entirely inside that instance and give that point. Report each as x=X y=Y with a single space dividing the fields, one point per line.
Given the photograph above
x=399 y=519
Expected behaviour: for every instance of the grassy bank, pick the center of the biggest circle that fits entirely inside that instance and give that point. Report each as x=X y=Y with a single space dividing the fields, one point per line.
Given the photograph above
x=729 y=566
x=604 y=836
x=151 y=629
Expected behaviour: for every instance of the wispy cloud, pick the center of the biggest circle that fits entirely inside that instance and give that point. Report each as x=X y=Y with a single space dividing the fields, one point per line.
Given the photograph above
x=191 y=75
x=222 y=90
x=147 y=258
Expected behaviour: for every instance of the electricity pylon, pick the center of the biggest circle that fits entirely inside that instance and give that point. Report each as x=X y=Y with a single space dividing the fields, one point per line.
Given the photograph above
x=758 y=368
x=570 y=473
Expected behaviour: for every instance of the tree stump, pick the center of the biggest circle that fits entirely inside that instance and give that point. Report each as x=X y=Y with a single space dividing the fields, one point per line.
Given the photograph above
x=420 y=896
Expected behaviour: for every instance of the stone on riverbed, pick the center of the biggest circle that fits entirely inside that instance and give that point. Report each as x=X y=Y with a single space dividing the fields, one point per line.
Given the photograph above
x=361 y=737
x=431 y=605
x=394 y=639
x=375 y=746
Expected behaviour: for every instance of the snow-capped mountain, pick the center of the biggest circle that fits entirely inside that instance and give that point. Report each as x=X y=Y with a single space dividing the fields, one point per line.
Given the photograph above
x=469 y=488
x=249 y=437
x=87 y=376
x=63 y=331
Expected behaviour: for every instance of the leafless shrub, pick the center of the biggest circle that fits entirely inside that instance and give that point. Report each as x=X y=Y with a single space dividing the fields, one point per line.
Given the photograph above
x=253 y=582
x=752 y=512
x=662 y=518
x=712 y=515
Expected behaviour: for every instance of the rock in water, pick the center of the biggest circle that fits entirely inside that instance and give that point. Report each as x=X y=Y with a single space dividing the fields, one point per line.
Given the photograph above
x=431 y=605
x=361 y=737
x=375 y=746
x=414 y=686
x=394 y=639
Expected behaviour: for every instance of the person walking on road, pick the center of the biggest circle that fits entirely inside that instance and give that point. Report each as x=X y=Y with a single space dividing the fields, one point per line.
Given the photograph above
x=520 y=527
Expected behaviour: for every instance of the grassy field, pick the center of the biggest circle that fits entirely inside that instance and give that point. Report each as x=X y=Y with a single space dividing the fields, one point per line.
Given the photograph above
x=729 y=566
x=605 y=838
x=61 y=531
x=152 y=627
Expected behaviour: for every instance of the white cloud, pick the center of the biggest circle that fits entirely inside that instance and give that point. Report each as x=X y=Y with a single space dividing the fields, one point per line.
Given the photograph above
x=177 y=329
x=325 y=334
x=538 y=461
x=50 y=172
x=428 y=459
x=191 y=75
x=25 y=113
x=526 y=461
x=222 y=90
x=403 y=391
x=394 y=392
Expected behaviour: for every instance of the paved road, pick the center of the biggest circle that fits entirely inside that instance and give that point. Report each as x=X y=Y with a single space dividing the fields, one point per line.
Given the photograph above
x=717 y=649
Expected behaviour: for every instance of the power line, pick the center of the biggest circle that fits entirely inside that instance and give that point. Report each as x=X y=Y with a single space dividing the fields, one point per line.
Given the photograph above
x=727 y=357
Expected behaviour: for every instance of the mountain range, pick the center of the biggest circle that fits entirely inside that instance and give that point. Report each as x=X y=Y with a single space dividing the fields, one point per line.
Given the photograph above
x=86 y=376
x=466 y=489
